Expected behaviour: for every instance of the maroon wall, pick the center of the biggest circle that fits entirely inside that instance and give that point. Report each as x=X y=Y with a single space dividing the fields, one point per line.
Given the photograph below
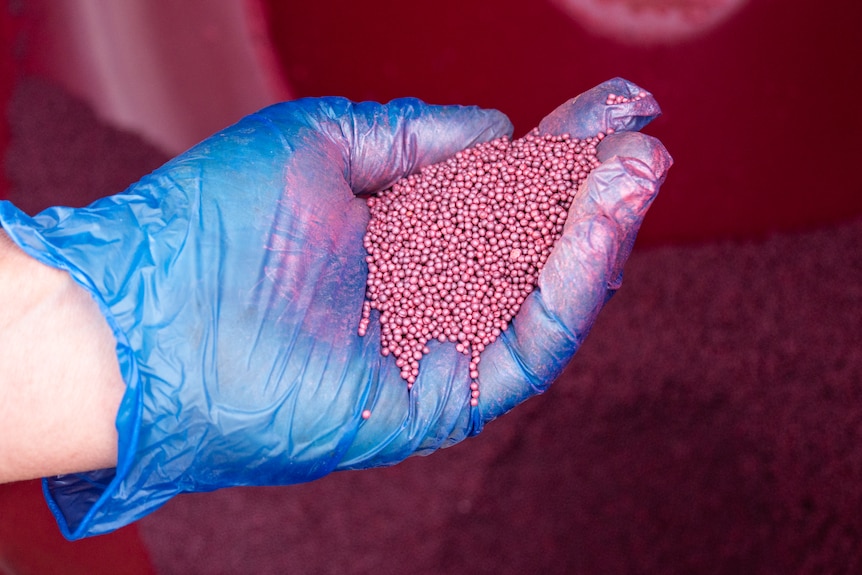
x=759 y=112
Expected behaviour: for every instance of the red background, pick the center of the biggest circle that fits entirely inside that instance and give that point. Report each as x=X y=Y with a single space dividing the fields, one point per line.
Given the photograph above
x=760 y=116
x=759 y=113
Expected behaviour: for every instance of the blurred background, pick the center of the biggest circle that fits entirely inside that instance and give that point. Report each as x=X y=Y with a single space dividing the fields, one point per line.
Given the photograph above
x=711 y=422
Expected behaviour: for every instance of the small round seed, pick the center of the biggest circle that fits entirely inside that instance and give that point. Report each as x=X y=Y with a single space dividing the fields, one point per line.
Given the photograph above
x=454 y=249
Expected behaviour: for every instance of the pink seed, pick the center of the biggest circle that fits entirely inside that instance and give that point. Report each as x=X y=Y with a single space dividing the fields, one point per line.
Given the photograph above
x=454 y=249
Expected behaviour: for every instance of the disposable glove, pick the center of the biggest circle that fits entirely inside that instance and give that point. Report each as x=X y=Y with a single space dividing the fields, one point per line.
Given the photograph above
x=233 y=279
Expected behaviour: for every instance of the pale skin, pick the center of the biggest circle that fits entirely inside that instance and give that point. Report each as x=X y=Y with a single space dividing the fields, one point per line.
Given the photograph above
x=60 y=383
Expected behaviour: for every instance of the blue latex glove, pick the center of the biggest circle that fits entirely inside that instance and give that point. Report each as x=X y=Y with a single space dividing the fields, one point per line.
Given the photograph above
x=233 y=279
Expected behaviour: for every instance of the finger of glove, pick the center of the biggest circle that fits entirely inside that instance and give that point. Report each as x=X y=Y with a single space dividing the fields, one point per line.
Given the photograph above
x=643 y=148
x=386 y=142
x=589 y=113
x=581 y=271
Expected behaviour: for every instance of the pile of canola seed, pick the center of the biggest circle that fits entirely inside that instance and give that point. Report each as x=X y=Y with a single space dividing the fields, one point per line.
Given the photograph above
x=454 y=249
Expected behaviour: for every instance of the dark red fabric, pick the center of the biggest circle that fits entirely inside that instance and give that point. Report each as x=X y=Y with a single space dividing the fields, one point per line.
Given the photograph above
x=31 y=544
x=759 y=112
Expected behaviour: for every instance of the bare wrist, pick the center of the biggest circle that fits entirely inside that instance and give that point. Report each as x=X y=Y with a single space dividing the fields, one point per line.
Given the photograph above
x=60 y=385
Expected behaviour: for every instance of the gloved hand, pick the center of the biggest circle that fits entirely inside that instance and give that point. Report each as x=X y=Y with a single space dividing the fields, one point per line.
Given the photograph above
x=233 y=279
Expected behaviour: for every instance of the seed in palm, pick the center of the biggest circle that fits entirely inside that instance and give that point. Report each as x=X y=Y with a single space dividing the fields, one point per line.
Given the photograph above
x=455 y=249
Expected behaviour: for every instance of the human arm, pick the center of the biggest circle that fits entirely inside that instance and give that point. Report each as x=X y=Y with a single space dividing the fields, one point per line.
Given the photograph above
x=59 y=382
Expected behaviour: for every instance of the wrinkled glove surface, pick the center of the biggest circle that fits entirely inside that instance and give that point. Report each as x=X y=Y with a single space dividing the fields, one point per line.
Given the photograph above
x=233 y=279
